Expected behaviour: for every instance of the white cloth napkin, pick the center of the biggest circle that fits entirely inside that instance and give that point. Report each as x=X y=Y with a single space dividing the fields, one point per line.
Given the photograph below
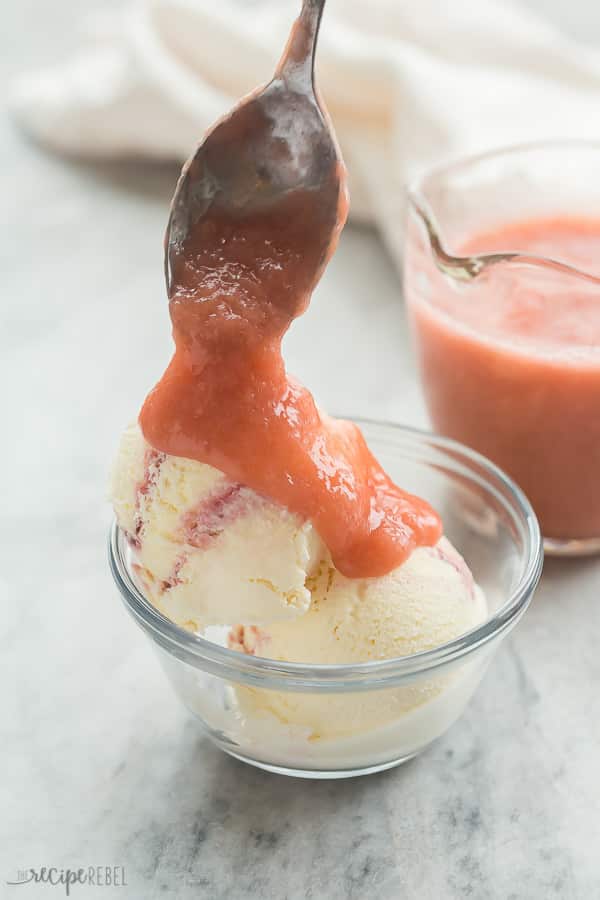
x=408 y=83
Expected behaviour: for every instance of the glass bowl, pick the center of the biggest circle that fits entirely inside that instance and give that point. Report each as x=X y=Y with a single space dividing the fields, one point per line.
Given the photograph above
x=241 y=700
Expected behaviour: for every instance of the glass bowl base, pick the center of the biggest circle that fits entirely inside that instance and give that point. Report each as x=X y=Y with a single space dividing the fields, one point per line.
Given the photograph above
x=573 y=547
x=320 y=773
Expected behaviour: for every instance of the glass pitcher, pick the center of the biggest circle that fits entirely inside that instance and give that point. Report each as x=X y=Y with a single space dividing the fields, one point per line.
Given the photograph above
x=502 y=281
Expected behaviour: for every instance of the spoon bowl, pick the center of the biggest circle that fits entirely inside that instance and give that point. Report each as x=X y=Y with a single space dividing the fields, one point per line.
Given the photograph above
x=274 y=152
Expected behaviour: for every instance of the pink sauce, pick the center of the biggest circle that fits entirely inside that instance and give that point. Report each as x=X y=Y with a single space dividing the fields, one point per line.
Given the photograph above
x=227 y=400
x=511 y=363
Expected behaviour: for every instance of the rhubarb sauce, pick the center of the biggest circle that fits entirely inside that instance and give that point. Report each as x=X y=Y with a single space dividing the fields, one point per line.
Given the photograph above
x=226 y=399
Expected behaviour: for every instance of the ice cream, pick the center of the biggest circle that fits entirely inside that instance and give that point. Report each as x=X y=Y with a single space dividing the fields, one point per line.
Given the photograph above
x=208 y=550
x=426 y=602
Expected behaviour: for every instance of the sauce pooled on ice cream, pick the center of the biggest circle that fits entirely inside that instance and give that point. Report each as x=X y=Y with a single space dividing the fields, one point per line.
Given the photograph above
x=226 y=399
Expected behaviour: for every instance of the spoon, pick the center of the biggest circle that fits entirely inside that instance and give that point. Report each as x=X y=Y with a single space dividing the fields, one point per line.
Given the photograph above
x=276 y=144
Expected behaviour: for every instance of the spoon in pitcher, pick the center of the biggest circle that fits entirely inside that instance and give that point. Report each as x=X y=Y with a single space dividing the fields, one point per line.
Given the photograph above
x=275 y=145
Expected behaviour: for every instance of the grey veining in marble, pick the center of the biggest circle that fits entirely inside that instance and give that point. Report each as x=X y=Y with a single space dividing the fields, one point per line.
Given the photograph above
x=100 y=765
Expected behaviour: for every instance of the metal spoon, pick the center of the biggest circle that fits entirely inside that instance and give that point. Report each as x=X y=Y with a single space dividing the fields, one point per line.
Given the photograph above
x=274 y=144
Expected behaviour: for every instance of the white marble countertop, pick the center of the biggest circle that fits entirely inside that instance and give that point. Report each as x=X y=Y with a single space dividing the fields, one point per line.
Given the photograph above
x=101 y=765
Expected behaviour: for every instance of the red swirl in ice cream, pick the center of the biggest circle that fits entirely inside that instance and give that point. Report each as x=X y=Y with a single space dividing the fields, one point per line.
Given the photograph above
x=226 y=399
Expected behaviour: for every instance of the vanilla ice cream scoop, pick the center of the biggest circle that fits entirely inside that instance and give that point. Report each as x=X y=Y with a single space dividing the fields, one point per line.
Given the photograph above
x=210 y=551
x=425 y=602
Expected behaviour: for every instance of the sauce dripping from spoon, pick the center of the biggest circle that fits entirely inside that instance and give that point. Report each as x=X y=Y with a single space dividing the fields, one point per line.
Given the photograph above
x=255 y=218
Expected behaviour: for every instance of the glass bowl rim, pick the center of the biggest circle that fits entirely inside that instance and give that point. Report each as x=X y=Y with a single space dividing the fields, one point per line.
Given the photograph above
x=377 y=674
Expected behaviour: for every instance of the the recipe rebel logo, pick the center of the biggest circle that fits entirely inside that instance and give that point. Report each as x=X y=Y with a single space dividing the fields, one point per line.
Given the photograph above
x=96 y=876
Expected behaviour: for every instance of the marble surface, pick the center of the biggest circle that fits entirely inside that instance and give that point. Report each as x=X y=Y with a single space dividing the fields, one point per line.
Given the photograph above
x=100 y=764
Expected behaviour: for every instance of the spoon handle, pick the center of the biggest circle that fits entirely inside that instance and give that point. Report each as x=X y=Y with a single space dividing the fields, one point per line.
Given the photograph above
x=296 y=66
